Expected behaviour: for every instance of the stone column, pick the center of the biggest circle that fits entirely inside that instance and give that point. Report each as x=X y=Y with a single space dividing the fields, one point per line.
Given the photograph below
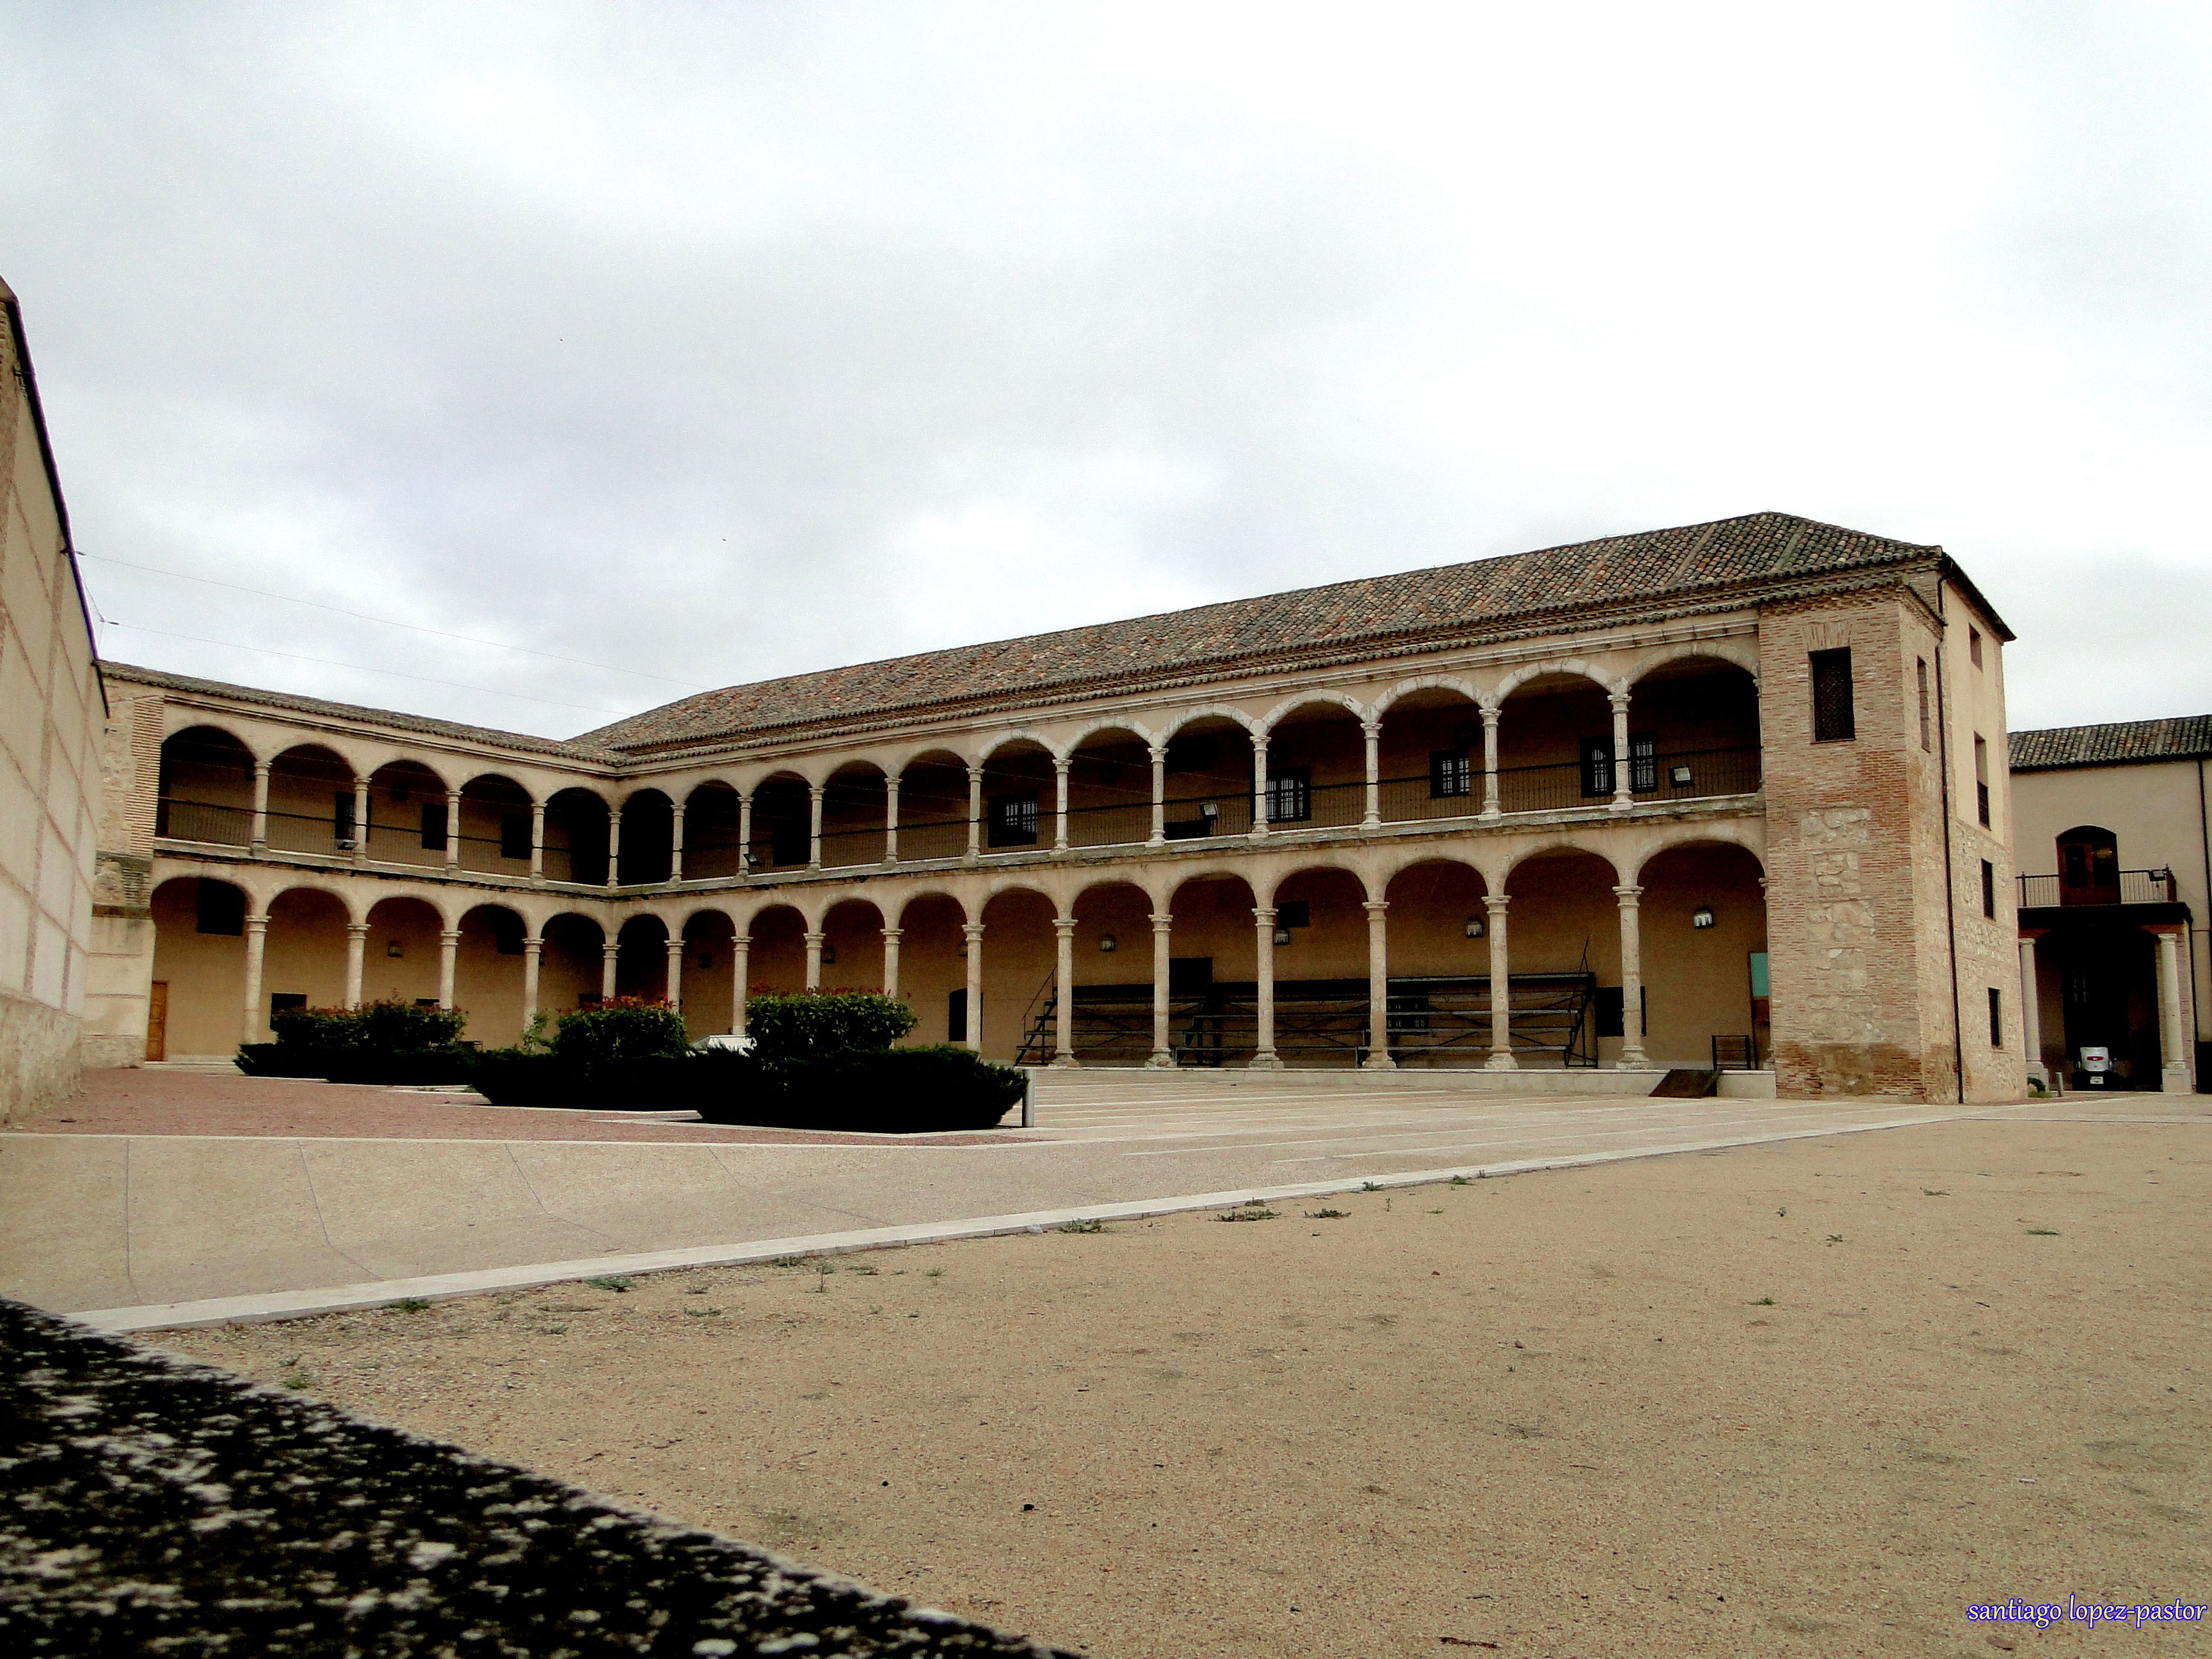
x=2172 y=1040
x=1264 y=1057
x=1632 y=980
x=1063 y=1002
x=538 y=843
x=453 y=831
x=814 y=961
x=975 y=811
x=744 y=836
x=1501 y=989
x=360 y=820
x=973 y=932
x=256 y=941
x=741 y=956
x=356 y=949
x=1260 y=784
x=676 y=843
x=449 y=947
x=609 y=953
x=533 y=952
x=1060 y=805
x=261 y=836
x=1372 y=730
x=1378 y=988
x=890 y=817
x=1163 y=939
x=1490 y=806
x=674 y=994
x=2031 y=1010
x=891 y=937
x=614 y=848
x=814 y=826
x=1623 y=774
x=1159 y=834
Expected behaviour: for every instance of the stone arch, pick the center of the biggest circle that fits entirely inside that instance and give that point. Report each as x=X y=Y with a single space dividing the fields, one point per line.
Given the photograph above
x=1020 y=792
x=783 y=820
x=488 y=971
x=1109 y=785
x=1551 y=667
x=407 y=812
x=572 y=964
x=1722 y=833
x=1317 y=760
x=1702 y=924
x=1693 y=723
x=1148 y=884
x=852 y=930
x=1264 y=887
x=713 y=825
x=990 y=744
x=1175 y=719
x=647 y=855
x=199 y=956
x=310 y=800
x=1389 y=699
x=933 y=803
x=1210 y=757
x=412 y=923
x=1290 y=705
x=495 y=812
x=776 y=959
x=577 y=828
x=1740 y=654
x=642 y=957
x=1025 y=882
x=343 y=894
x=1555 y=846
x=932 y=894
x=855 y=813
x=205 y=789
x=1118 y=723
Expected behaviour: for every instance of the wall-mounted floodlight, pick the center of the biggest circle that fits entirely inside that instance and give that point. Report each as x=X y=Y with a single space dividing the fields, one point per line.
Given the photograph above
x=1107 y=941
x=395 y=949
x=1702 y=916
x=1475 y=929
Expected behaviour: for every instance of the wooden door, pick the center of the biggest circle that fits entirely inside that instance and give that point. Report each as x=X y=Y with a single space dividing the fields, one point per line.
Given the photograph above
x=157 y=1021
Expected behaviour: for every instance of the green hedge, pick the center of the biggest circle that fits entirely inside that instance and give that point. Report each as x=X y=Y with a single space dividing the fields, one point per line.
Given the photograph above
x=507 y=1076
x=389 y=1027
x=806 y=1025
x=418 y=1067
x=886 y=1091
x=621 y=1028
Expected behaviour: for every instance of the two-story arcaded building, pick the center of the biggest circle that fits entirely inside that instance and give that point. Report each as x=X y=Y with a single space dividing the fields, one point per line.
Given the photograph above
x=1735 y=791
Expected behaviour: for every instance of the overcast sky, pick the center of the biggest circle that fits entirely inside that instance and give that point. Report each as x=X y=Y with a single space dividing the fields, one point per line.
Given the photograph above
x=719 y=342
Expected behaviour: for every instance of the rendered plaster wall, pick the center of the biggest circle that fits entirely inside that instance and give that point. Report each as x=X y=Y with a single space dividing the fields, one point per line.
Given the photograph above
x=50 y=757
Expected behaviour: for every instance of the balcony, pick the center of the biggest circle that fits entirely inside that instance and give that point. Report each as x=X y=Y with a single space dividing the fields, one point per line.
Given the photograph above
x=2133 y=887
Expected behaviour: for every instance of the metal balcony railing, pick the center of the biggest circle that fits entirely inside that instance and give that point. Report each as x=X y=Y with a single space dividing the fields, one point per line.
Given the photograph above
x=2134 y=887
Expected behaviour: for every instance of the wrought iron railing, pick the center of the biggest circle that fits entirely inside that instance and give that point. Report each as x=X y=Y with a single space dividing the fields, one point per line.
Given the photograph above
x=2133 y=887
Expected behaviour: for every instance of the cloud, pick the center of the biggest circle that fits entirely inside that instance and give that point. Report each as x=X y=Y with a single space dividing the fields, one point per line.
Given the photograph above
x=727 y=342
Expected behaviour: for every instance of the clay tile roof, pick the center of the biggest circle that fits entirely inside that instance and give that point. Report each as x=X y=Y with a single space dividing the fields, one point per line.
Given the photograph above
x=2184 y=736
x=1586 y=582
x=577 y=750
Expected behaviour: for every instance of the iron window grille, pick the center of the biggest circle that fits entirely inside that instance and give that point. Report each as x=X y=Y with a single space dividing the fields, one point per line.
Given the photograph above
x=1290 y=795
x=1451 y=774
x=1014 y=821
x=1834 y=718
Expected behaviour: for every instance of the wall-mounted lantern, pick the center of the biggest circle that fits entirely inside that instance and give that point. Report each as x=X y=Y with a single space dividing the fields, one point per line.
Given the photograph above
x=395 y=949
x=1282 y=936
x=1107 y=941
x=1679 y=776
x=1475 y=929
x=829 y=953
x=1702 y=916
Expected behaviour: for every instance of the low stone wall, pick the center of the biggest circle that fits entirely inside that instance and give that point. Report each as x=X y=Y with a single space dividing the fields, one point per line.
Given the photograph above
x=38 y=1058
x=1472 y=1079
x=158 y=1506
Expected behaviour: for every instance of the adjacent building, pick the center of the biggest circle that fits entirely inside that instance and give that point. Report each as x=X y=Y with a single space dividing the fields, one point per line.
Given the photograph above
x=1726 y=794
x=50 y=715
x=2115 y=849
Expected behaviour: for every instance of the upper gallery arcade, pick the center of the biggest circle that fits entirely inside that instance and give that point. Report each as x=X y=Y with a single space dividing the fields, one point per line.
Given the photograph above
x=1723 y=789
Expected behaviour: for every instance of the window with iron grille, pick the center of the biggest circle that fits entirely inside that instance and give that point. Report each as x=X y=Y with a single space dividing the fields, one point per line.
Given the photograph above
x=1981 y=780
x=1597 y=766
x=1642 y=762
x=1451 y=773
x=1013 y=820
x=342 y=824
x=1834 y=718
x=1290 y=794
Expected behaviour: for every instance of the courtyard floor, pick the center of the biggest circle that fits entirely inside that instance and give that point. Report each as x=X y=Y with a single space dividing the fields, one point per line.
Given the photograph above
x=160 y=1198
x=1812 y=1396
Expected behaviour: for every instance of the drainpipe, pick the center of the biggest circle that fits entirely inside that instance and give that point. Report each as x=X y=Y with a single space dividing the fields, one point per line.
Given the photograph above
x=1950 y=896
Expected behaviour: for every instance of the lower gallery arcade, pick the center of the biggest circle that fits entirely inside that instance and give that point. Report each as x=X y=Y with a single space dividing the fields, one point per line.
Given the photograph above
x=1589 y=944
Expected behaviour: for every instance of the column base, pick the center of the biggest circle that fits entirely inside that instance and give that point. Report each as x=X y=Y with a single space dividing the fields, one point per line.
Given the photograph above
x=1066 y=1061
x=1378 y=1063
x=1267 y=1061
x=1632 y=1059
x=1502 y=1063
x=2174 y=1080
x=1161 y=1060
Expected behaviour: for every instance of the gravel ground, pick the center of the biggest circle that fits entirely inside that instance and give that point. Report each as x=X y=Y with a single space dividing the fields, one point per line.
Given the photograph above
x=1811 y=1397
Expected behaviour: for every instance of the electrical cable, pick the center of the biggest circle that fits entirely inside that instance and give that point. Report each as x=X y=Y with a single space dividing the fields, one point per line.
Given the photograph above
x=387 y=622
x=363 y=668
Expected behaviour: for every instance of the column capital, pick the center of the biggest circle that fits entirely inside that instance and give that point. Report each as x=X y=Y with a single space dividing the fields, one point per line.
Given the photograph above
x=1374 y=907
x=1373 y=729
x=257 y=924
x=1064 y=925
x=261 y=768
x=611 y=948
x=451 y=935
x=357 y=930
x=532 y=945
x=1163 y=924
x=1158 y=751
x=1061 y=762
x=1496 y=903
x=1628 y=893
x=1489 y=713
x=1619 y=700
x=971 y=931
x=676 y=807
x=814 y=938
x=894 y=934
x=360 y=784
x=1263 y=915
x=676 y=946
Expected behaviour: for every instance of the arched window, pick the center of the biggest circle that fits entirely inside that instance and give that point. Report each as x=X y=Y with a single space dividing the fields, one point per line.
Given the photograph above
x=2089 y=866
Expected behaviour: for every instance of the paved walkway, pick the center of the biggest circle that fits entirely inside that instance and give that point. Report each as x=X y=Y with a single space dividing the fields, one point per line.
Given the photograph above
x=194 y=1198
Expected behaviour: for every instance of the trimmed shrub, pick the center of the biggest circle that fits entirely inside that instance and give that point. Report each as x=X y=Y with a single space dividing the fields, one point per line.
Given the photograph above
x=807 y=1025
x=396 y=1027
x=314 y=1029
x=881 y=1091
x=510 y=1076
x=621 y=1028
x=416 y=1066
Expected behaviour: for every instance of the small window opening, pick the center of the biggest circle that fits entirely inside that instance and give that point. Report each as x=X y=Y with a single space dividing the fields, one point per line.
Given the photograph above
x=433 y=826
x=1834 y=718
x=1920 y=669
x=1996 y=1017
x=1974 y=646
x=1988 y=890
x=1981 y=780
